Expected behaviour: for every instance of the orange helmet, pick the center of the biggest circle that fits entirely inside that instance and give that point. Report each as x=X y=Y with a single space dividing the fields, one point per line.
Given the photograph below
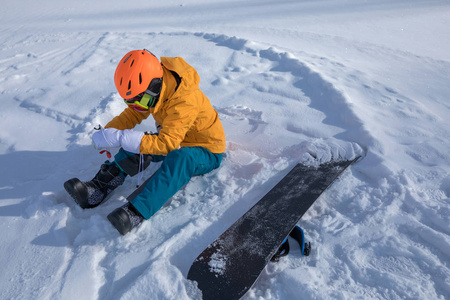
x=135 y=72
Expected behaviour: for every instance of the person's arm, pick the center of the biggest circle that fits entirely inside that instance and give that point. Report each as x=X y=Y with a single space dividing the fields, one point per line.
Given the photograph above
x=181 y=116
x=128 y=119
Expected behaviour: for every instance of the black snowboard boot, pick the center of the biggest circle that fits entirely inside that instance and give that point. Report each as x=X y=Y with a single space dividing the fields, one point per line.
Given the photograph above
x=91 y=193
x=125 y=218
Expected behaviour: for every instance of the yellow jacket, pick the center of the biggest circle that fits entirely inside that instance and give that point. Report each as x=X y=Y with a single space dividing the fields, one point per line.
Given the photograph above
x=185 y=114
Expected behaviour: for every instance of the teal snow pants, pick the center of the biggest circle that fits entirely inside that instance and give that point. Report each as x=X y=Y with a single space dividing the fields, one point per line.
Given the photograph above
x=178 y=167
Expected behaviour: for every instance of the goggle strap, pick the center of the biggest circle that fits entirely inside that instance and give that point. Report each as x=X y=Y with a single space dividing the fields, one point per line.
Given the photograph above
x=145 y=100
x=148 y=91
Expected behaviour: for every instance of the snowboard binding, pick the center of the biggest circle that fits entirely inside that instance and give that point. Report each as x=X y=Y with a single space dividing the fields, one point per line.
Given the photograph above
x=298 y=235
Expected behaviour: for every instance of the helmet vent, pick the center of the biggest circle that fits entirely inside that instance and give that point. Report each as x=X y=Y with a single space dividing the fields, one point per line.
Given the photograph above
x=125 y=60
x=140 y=78
x=132 y=63
x=129 y=84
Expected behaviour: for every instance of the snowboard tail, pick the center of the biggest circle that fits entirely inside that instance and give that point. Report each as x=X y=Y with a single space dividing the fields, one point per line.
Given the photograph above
x=230 y=265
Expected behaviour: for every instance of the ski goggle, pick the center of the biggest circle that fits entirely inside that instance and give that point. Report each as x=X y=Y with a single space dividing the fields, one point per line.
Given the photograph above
x=141 y=102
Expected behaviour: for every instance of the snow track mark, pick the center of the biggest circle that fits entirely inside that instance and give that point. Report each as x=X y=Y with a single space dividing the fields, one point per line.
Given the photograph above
x=277 y=109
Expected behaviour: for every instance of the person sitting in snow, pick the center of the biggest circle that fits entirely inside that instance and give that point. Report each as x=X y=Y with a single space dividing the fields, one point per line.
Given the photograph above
x=190 y=139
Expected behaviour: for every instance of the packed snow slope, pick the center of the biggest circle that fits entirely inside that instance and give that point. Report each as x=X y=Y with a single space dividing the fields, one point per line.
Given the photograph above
x=293 y=81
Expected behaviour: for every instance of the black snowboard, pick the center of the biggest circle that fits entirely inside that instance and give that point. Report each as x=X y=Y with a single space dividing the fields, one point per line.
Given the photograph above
x=229 y=267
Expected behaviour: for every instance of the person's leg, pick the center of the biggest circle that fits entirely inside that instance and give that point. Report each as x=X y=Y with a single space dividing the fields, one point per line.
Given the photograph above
x=130 y=163
x=177 y=169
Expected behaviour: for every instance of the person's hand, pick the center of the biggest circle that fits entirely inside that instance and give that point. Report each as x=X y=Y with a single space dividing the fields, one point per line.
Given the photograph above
x=131 y=140
x=106 y=138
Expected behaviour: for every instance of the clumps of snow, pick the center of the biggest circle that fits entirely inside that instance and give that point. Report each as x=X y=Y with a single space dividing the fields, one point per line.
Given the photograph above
x=288 y=89
x=218 y=263
x=320 y=151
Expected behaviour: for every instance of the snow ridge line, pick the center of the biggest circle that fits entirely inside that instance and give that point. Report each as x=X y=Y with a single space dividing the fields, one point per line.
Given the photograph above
x=311 y=83
x=323 y=95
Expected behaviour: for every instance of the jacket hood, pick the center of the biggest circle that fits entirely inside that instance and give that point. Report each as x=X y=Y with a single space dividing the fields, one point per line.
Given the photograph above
x=189 y=79
x=183 y=69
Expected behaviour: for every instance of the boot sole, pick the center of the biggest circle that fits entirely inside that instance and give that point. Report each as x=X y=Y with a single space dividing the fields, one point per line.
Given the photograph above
x=120 y=220
x=78 y=192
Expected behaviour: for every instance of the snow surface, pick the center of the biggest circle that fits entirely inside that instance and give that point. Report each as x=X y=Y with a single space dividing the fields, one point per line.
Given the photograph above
x=289 y=78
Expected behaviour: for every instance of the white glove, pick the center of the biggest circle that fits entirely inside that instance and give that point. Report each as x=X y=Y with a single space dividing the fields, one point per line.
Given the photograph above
x=107 y=138
x=131 y=140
